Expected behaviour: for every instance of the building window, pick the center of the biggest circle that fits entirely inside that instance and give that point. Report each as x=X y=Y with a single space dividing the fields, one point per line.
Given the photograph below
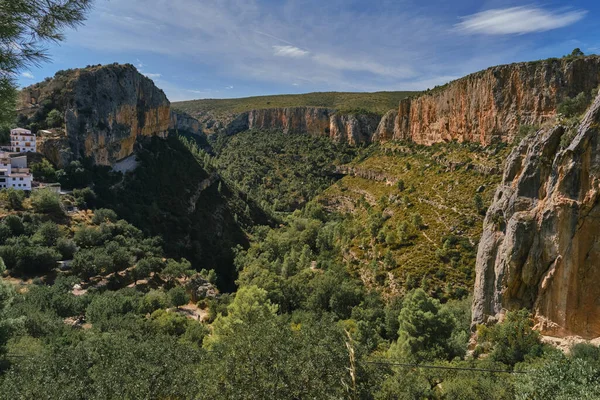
x=20 y=179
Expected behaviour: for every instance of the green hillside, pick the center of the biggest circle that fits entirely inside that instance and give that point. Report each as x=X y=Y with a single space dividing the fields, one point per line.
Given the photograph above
x=379 y=102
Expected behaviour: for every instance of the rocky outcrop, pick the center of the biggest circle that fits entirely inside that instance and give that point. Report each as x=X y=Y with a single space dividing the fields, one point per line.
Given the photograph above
x=352 y=128
x=540 y=248
x=106 y=108
x=386 y=130
x=182 y=122
x=490 y=105
x=310 y=120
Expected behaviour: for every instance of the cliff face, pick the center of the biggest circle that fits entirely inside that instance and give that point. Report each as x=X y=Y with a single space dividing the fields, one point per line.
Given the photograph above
x=491 y=105
x=540 y=247
x=106 y=108
x=311 y=120
x=342 y=127
x=184 y=123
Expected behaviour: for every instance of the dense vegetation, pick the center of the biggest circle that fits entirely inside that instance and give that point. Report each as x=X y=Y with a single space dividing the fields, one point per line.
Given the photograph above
x=280 y=171
x=379 y=102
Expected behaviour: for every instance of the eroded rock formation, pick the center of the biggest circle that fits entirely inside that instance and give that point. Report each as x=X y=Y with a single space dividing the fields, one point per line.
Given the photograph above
x=350 y=128
x=540 y=247
x=105 y=108
x=491 y=105
x=183 y=122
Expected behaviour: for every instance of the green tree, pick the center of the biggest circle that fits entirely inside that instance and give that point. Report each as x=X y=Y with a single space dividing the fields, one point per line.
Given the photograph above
x=272 y=358
x=577 y=52
x=250 y=306
x=178 y=297
x=47 y=234
x=46 y=201
x=54 y=119
x=175 y=270
x=511 y=340
x=44 y=171
x=104 y=215
x=558 y=377
x=425 y=329
x=14 y=198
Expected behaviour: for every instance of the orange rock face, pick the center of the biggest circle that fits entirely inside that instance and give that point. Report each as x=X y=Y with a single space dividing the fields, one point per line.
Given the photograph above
x=106 y=108
x=491 y=105
x=540 y=247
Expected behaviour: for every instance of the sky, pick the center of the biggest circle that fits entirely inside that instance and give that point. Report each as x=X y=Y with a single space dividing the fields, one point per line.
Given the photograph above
x=236 y=48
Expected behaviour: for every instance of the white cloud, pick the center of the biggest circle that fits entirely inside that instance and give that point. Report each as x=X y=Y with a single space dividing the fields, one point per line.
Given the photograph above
x=152 y=76
x=518 y=20
x=363 y=65
x=229 y=87
x=27 y=75
x=289 y=51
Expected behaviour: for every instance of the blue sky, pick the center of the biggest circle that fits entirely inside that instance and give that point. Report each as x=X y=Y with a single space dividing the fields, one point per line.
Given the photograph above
x=235 y=48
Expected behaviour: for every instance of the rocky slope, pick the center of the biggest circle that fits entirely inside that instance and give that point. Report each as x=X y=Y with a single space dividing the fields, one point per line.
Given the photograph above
x=491 y=105
x=105 y=108
x=540 y=247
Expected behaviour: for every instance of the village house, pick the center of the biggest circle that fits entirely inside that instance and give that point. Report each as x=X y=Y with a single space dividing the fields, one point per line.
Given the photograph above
x=22 y=141
x=14 y=172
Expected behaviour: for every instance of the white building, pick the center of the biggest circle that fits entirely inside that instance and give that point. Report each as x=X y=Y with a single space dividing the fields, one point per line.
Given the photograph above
x=12 y=175
x=22 y=141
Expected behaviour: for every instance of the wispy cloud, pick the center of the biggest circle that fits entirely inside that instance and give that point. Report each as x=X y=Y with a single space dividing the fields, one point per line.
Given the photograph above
x=265 y=46
x=27 y=75
x=229 y=87
x=152 y=76
x=518 y=20
x=289 y=51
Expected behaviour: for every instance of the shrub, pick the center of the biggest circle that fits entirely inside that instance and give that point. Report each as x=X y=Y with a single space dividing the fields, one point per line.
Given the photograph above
x=178 y=297
x=66 y=247
x=44 y=171
x=54 y=119
x=14 y=198
x=47 y=234
x=85 y=198
x=45 y=201
x=513 y=339
x=104 y=215
x=577 y=105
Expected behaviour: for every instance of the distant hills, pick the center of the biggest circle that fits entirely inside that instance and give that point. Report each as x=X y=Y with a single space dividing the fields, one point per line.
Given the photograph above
x=377 y=102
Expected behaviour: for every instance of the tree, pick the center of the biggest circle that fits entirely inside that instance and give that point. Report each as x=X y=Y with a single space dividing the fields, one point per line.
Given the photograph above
x=425 y=329
x=46 y=201
x=25 y=26
x=14 y=198
x=54 y=119
x=44 y=171
x=104 y=215
x=511 y=340
x=47 y=234
x=175 y=270
x=577 y=53
x=7 y=325
x=178 y=297
x=250 y=306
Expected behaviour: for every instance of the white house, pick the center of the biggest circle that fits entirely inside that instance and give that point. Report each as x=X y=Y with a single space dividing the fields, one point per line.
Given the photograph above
x=11 y=175
x=22 y=141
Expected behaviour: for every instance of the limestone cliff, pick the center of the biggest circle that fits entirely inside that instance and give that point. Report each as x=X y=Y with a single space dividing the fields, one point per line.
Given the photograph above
x=183 y=122
x=540 y=248
x=105 y=108
x=490 y=105
x=347 y=127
